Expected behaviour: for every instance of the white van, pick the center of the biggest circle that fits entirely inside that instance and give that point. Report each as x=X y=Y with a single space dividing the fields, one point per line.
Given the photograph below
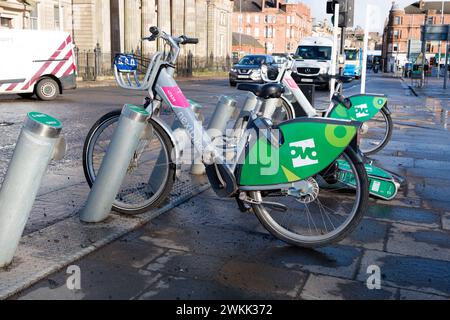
x=36 y=62
x=313 y=61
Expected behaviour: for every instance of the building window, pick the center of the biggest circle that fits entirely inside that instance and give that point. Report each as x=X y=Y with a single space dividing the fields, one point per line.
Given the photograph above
x=249 y=19
x=222 y=45
x=269 y=19
x=256 y=32
x=223 y=18
x=396 y=34
x=288 y=33
x=256 y=19
x=288 y=47
x=288 y=19
x=397 y=20
x=56 y=17
x=429 y=47
x=249 y=31
x=34 y=17
x=293 y=20
x=395 y=47
x=6 y=22
x=292 y=33
x=430 y=20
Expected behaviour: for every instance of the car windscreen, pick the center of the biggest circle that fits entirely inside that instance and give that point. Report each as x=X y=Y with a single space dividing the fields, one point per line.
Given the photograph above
x=351 y=55
x=314 y=52
x=252 y=61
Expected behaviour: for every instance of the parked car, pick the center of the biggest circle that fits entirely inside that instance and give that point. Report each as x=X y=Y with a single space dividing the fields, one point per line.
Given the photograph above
x=248 y=69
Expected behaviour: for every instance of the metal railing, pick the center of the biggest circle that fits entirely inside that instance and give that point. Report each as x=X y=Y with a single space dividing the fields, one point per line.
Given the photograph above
x=92 y=64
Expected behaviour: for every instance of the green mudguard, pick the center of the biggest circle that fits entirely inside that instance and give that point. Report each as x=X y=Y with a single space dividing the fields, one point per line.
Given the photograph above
x=306 y=147
x=364 y=108
x=381 y=183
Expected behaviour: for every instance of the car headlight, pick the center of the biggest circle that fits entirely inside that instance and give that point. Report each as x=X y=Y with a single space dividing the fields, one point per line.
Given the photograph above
x=233 y=70
x=256 y=72
x=323 y=71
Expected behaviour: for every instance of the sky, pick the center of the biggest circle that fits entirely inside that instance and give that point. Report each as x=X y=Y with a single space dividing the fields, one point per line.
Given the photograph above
x=319 y=10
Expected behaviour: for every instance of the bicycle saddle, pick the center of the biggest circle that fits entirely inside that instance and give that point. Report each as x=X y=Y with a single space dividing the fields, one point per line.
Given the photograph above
x=265 y=91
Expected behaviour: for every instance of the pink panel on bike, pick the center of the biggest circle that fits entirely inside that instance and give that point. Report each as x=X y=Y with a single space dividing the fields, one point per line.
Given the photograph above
x=176 y=97
x=291 y=82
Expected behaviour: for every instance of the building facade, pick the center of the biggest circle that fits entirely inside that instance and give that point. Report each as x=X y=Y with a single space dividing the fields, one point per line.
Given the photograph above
x=402 y=33
x=119 y=25
x=277 y=25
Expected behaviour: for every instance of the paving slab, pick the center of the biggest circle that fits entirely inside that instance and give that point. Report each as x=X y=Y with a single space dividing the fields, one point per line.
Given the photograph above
x=419 y=241
x=319 y=287
x=409 y=272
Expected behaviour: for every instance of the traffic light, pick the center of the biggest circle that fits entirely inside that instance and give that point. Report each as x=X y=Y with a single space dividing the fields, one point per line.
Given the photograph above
x=346 y=12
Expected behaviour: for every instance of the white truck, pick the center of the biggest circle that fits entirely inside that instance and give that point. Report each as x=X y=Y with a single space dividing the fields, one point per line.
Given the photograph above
x=313 y=61
x=36 y=62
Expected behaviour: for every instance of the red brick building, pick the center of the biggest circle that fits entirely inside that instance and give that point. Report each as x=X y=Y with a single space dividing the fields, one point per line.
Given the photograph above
x=278 y=25
x=401 y=39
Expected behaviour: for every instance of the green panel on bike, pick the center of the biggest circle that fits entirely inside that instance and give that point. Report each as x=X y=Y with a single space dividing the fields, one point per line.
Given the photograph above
x=307 y=147
x=364 y=108
x=381 y=183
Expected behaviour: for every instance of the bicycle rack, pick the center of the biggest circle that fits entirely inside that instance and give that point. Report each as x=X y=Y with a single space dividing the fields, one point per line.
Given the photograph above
x=39 y=141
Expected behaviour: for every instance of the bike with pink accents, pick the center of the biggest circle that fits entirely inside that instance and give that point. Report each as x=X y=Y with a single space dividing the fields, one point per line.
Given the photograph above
x=286 y=173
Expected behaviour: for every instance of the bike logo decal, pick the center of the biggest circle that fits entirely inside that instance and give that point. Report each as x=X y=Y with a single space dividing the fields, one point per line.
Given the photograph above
x=304 y=154
x=362 y=111
x=290 y=82
x=176 y=97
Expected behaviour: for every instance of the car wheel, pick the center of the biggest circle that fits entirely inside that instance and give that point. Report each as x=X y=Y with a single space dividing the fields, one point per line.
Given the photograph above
x=232 y=83
x=47 y=89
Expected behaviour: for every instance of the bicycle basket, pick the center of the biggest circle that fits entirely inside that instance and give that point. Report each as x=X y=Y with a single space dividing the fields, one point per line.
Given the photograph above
x=132 y=71
x=125 y=62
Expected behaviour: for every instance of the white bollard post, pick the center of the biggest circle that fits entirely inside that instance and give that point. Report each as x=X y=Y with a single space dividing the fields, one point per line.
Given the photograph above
x=37 y=145
x=114 y=166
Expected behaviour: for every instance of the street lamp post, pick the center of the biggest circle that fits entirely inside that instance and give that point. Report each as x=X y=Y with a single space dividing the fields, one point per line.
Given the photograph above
x=241 y=28
x=440 y=42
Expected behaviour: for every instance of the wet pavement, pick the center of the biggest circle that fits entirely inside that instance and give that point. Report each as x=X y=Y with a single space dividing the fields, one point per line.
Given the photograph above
x=206 y=249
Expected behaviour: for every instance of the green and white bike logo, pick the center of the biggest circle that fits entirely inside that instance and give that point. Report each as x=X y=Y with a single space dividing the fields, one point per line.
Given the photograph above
x=362 y=111
x=305 y=153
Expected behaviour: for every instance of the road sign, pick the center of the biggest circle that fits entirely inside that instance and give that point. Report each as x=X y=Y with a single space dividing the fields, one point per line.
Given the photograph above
x=436 y=33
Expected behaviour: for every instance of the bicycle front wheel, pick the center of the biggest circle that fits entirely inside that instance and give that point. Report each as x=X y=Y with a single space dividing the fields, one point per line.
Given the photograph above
x=319 y=211
x=151 y=172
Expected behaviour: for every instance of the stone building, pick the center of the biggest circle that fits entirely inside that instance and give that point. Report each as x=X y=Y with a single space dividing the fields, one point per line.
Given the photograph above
x=119 y=25
x=278 y=25
x=402 y=33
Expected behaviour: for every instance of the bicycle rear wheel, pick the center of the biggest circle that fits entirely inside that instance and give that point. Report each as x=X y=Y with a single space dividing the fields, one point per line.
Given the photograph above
x=321 y=210
x=150 y=175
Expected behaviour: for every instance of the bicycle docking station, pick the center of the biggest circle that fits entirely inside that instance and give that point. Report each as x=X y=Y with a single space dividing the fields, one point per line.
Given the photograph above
x=129 y=131
x=224 y=111
x=38 y=144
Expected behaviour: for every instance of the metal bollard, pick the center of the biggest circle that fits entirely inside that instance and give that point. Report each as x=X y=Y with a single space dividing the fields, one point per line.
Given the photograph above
x=250 y=104
x=37 y=145
x=114 y=166
x=225 y=109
